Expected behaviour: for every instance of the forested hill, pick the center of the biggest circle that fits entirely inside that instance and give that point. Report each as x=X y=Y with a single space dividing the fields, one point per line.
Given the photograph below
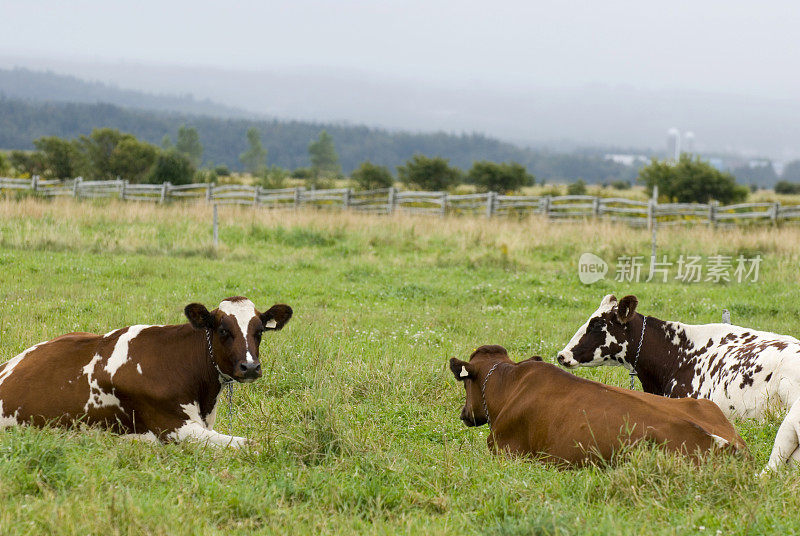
x=19 y=83
x=287 y=142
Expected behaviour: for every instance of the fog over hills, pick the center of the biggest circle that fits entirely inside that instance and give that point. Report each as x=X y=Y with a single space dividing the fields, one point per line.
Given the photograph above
x=557 y=118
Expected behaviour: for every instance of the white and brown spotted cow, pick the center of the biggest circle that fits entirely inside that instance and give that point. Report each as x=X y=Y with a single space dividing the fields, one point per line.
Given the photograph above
x=742 y=370
x=151 y=382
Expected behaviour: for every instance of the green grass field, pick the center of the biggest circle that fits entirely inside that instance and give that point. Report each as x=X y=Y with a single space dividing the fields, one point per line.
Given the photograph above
x=356 y=418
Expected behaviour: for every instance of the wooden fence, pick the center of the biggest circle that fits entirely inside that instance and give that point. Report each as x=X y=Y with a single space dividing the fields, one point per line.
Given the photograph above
x=391 y=200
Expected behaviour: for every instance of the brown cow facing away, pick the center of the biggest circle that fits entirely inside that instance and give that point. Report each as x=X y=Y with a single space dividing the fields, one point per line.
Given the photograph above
x=535 y=408
x=151 y=382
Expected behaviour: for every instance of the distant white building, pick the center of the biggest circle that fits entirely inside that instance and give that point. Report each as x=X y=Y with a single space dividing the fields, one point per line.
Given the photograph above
x=678 y=144
x=627 y=159
x=688 y=142
x=674 y=144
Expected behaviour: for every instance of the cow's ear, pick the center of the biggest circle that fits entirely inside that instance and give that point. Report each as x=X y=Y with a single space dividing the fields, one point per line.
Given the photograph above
x=626 y=308
x=276 y=316
x=199 y=316
x=460 y=369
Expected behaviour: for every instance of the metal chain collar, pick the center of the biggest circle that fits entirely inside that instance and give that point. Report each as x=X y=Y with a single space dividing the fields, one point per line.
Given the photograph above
x=638 y=350
x=483 y=396
x=225 y=381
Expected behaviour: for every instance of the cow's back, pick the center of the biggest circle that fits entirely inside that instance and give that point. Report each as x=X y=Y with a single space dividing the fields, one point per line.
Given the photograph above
x=552 y=413
x=47 y=382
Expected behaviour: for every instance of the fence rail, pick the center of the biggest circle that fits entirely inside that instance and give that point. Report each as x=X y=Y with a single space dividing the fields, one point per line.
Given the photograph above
x=391 y=200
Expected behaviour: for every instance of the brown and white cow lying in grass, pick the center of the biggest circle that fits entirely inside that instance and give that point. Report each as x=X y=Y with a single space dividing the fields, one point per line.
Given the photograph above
x=742 y=370
x=152 y=382
x=535 y=408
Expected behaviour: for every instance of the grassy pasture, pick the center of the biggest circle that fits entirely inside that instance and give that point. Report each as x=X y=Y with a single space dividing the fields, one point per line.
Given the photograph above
x=356 y=418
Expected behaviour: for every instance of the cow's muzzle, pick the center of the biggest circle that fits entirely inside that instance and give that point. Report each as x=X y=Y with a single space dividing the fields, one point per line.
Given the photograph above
x=566 y=361
x=248 y=371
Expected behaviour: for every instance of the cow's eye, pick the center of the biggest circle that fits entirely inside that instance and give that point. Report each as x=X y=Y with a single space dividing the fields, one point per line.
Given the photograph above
x=224 y=333
x=596 y=325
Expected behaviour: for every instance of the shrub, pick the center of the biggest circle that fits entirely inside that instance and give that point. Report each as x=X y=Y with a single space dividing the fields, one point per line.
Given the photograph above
x=787 y=187
x=691 y=180
x=501 y=178
x=171 y=166
x=576 y=188
x=432 y=174
x=369 y=176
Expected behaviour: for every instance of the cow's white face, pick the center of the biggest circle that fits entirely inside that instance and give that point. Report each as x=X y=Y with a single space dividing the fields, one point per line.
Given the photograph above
x=236 y=327
x=602 y=339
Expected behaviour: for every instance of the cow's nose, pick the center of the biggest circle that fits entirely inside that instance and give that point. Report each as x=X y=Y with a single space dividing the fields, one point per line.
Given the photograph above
x=250 y=369
x=561 y=360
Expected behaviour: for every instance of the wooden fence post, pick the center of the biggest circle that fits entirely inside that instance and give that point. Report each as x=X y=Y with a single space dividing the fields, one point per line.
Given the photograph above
x=164 y=189
x=210 y=191
x=774 y=211
x=596 y=207
x=651 y=214
x=712 y=213
x=346 y=198
x=490 y=200
x=298 y=197
x=390 y=200
x=257 y=198
x=546 y=206
x=444 y=204
x=35 y=182
x=122 y=189
x=76 y=188
x=215 y=228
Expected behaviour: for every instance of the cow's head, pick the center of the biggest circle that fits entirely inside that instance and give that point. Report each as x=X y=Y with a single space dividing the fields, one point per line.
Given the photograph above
x=602 y=340
x=473 y=373
x=236 y=329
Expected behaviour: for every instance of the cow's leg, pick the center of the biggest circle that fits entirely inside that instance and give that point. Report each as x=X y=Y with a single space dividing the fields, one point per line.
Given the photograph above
x=787 y=440
x=149 y=437
x=195 y=431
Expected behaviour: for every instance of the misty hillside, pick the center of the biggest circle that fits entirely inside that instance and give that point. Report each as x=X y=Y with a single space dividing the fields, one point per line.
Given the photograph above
x=224 y=140
x=24 y=84
x=562 y=118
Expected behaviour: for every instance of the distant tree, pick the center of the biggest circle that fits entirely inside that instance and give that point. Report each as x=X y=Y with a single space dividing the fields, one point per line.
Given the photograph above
x=133 y=160
x=274 y=177
x=501 y=178
x=691 y=180
x=222 y=171
x=369 y=176
x=255 y=157
x=324 y=160
x=787 y=187
x=5 y=166
x=576 y=188
x=432 y=174
x=208 y=175
x=171 y=166
x=188 y=144
x=302 y=173
x=28 y=163
x=166 y=143
x=791 y=171
x=98 y=148
x=62 y=158
x=621 y=185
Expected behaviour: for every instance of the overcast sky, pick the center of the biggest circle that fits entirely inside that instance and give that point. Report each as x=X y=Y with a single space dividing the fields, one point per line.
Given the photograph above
x=743 y=47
